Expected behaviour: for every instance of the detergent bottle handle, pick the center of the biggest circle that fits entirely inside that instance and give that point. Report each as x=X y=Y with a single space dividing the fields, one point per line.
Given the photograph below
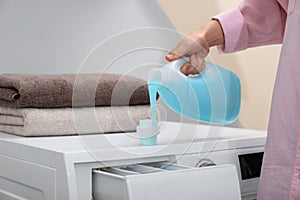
x=178 y=63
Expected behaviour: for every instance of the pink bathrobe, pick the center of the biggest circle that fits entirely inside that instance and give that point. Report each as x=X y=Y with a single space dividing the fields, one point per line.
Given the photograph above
x=263 y=22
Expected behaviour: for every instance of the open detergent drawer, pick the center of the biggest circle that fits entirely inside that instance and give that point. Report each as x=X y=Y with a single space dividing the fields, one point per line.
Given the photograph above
x=165 y=181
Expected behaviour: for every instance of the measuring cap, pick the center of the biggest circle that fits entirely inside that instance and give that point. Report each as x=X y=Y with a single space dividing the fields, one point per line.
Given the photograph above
x=148 y=131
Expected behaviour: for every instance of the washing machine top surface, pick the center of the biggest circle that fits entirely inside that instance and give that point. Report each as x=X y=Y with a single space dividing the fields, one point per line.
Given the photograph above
x=171 y=134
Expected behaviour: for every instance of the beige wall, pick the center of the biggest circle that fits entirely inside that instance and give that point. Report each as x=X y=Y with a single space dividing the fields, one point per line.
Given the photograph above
x=256 y=67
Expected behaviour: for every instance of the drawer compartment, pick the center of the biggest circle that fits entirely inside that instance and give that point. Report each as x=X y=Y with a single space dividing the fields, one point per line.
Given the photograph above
x=165 y=181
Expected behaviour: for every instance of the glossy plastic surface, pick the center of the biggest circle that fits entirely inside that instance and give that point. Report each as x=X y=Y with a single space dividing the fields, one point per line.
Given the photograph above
x=214 y=96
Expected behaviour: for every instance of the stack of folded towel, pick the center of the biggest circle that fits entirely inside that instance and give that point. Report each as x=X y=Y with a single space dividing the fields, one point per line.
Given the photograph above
x=46 y=105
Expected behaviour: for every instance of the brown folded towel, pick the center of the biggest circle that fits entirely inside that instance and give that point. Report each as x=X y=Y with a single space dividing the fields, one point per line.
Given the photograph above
x=67 y=90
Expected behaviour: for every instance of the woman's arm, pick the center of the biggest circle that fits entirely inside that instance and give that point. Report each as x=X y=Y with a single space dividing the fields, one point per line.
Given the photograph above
x=253 y=23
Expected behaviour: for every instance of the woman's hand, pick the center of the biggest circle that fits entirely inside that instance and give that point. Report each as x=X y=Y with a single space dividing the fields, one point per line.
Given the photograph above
x=197 y=47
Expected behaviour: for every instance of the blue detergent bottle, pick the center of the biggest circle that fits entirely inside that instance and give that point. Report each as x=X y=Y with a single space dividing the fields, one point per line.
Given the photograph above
x=213 y=96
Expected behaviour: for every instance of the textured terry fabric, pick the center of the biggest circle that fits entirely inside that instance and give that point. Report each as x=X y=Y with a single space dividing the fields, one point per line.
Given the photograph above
x=262 y=22
x=67 y=90
x=68 y=121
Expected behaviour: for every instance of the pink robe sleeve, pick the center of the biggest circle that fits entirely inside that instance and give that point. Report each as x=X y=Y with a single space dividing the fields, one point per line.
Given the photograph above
x=253 y=23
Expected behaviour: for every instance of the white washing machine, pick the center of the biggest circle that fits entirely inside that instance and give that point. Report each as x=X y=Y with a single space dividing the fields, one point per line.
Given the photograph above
x=248 y=162
x=77 y=167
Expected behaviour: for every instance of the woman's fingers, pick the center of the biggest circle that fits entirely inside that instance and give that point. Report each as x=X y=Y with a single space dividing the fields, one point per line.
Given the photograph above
x=188 y=69
x=197 y=53
x=198 y=60
x=171 y=57
x=196 y=65
x=180 y=50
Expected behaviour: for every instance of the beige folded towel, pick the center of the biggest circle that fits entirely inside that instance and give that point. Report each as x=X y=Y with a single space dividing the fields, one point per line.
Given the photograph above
x=68 y=121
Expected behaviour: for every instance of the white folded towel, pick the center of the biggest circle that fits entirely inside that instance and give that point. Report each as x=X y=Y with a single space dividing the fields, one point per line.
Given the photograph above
x=71 y=121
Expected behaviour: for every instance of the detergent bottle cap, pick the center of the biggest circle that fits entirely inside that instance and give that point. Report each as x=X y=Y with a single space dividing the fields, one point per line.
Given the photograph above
x=148 y=131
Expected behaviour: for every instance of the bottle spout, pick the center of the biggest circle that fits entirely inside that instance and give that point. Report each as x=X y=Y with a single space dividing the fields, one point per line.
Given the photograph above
x=162 y=75
x=148 y=132
x=158 y=76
